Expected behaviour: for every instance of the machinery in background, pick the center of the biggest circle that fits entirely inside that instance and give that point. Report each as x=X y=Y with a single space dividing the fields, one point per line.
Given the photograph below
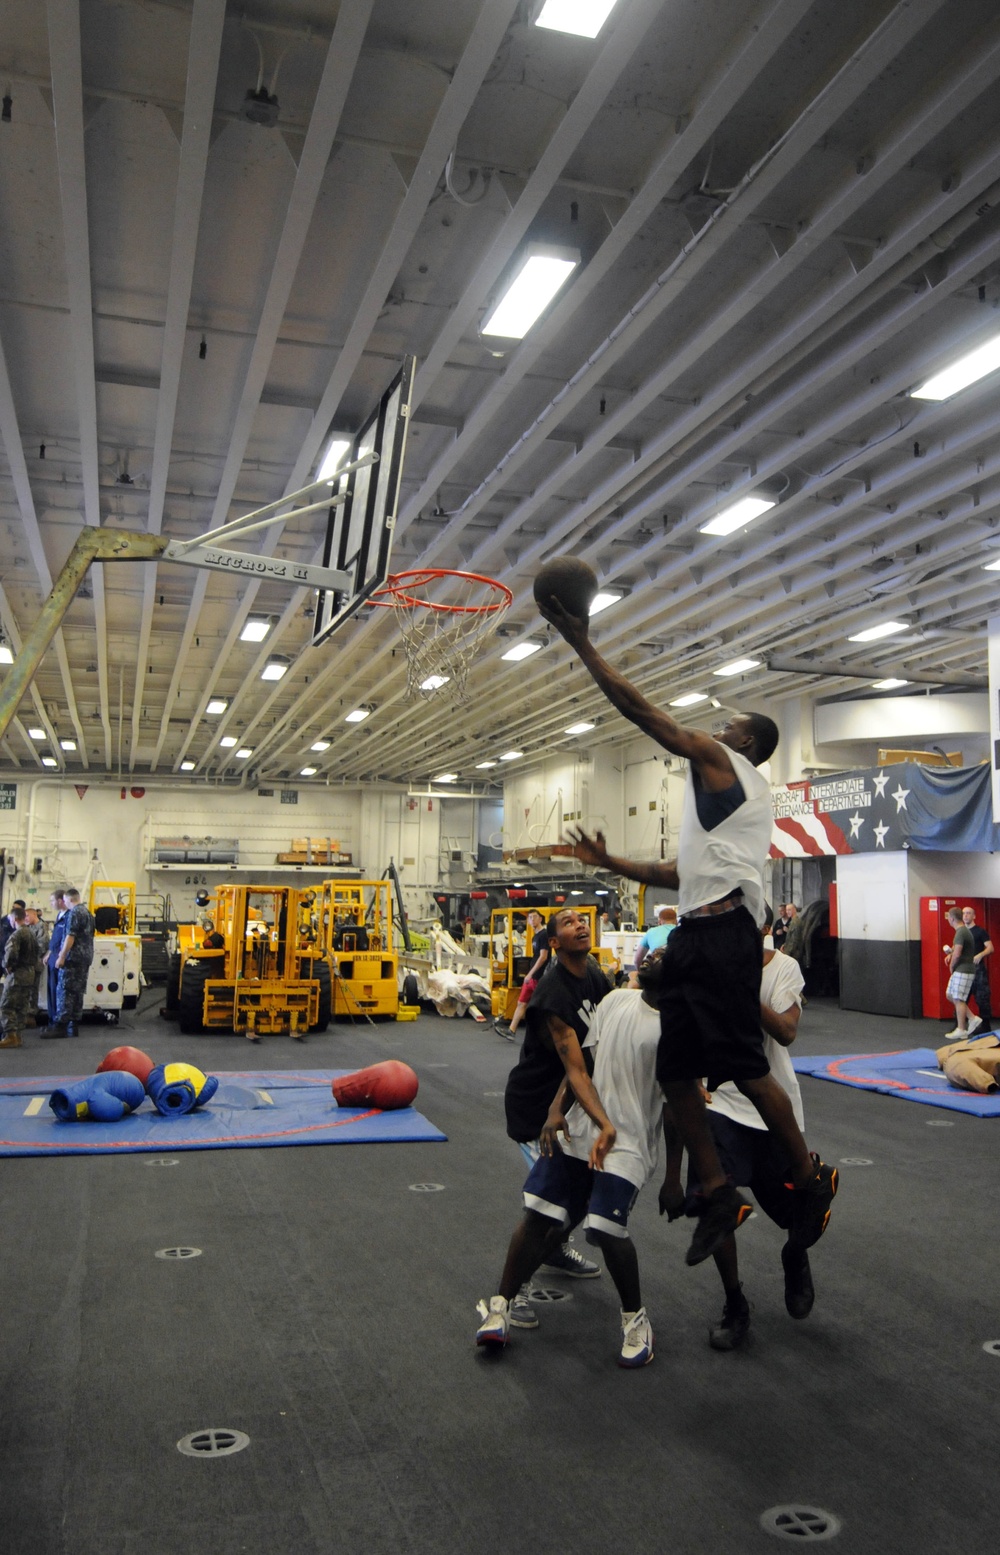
x=115 y=975
x=514 y=950
x=269 y=975
x=355 y=932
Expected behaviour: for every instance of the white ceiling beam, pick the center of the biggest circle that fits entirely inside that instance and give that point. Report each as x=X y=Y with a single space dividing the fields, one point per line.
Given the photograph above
x=67 y=109
x=204 y=46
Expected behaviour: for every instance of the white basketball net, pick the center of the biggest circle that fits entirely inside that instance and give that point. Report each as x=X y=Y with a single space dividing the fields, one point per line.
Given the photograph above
x=443 y=618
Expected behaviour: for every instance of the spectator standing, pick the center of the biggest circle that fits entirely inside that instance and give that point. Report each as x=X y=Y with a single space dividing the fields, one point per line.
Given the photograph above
x=961 y=956
x=73 y=965
x=20 y=969
x=980 y=990
x=6 y=925
x=39 y=928
x=57 y=901
x=656 y=937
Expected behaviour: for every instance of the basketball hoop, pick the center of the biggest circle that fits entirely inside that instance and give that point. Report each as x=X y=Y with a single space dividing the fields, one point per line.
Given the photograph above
x=443 y=618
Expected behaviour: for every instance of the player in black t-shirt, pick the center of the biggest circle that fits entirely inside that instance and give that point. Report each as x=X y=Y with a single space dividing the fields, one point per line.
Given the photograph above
x=557 y=1023
x=980 y=990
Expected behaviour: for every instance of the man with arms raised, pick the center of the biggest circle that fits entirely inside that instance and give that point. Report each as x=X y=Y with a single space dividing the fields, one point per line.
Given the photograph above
x=710 y=1000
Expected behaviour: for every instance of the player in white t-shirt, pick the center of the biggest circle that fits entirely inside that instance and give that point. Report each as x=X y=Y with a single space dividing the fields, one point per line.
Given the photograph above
x=564 y=1188
x=753 y=1158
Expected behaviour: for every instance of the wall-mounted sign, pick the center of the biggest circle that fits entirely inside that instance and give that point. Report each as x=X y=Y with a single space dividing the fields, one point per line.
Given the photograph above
x=8 y=796
x=289 y=796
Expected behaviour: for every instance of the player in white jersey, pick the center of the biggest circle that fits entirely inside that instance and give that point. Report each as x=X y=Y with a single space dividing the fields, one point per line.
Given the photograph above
x=710 y=997
x=563 y=1188
x=753 y=1158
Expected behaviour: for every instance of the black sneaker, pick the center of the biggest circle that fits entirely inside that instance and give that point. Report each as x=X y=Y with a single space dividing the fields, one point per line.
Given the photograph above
x=731 y=1329
x=812 y=1204
x=724 y=1211
x=799 y=1292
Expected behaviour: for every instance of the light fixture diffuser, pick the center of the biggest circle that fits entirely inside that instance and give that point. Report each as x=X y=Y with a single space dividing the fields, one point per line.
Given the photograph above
x=434 y=682
x=255 y=629
x=36 y=734
x=582 y=18
x=216 y=706
x=992 y=567
x=603 y=599
x=481 y=765
x=737 y=667
x=873 y=633
x=520 y=651
x=985 y=359
x=320 y=745
x=358 y=716
x=511 y=755
x=738 y=516
x=543 y=270
x=690 y=698
x=889 y=684
x=67 y=745
x=445 y=777
x=49 y=761
x=244 y=752
x=580 y=728
x=308 y=771
x=336 y=449
x=187 y=766
x=6 y=657
x=227 y=742
x=275 y=668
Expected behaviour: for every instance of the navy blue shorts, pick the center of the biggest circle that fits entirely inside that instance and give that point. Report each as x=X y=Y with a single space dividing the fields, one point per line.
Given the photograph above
x=565 y=1189
x=709 y=1001
x=751 y=1158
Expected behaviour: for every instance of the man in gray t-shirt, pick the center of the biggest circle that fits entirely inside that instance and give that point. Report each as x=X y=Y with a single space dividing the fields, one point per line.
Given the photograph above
x=961 y=955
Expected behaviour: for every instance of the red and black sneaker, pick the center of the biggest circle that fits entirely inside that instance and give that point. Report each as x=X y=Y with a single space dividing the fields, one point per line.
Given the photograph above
x=812 y=1204
x=725 y=1210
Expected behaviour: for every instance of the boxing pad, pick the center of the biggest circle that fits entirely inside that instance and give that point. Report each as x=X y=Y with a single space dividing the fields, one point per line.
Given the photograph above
x=178 y=1088
x=103 y=1097
x=129 y=1060
x=388 y=1085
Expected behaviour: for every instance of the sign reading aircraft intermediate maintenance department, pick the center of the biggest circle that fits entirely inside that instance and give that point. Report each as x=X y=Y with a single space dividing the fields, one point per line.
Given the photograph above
x=899 y=806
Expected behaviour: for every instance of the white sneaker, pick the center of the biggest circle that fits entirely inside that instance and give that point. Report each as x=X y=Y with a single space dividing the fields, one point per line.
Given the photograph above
x=953 y=1036
x=637 y=1339
x=494 y=1329
x=975 y=1021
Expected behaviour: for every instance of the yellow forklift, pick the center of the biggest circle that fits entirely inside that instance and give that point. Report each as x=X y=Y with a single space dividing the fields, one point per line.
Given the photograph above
x=514 y=949
x=355 y=928
x=268 y=975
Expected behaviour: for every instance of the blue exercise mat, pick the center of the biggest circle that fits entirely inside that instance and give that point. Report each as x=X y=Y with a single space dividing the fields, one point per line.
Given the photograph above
x=250 y=1109
x=912 y=1075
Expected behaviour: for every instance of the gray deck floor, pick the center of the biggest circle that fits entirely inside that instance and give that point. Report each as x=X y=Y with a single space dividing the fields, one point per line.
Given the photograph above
x=331 y=1317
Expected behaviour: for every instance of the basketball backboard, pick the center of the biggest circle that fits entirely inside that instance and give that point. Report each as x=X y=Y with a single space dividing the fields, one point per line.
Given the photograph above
x=359 y=530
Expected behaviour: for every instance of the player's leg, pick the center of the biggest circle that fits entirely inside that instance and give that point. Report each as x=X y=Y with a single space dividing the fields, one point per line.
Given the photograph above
x=770 y=1187
x=734 y=1145
x=611 y=1201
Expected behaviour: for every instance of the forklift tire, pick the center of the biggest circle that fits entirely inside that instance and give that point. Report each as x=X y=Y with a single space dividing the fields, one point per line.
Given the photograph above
x=325 y=996
x=191 y=999
x=169 y=1010
x=411 y=989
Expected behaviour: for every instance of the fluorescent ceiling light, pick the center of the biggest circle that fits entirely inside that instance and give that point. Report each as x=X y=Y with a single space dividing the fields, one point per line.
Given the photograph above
x=888 y=685
x=584 y=18
x=308 y=771
x=36 y=734
x=434 y=682
x=690 y=698
x=49 y=761
x=321 y=745
x=737 y=667
x=6 y=657
x=68 y=745
x=335 y=452
x=358 y=716
x=244 y=752
x=227 y=742
x=480 y=765
x=255 y=629
x=576 y=893
x=187 y=766
x=873 y=633
x=275 y=668
x=990 y=567
x=603 y=599
x=511 y=755
x=445 y=777
x=738 y=516
x=520 y=651
x=544 y=270
x=968 y=369
x=216 y=706
x=580 y=728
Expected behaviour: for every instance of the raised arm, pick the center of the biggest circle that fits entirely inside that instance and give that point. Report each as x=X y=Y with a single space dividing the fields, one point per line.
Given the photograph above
x=711 y=758
x=593 y=850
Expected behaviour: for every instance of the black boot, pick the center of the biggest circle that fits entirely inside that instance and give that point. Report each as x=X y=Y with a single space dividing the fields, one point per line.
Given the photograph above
x=72 y=1029
x=57 y=1029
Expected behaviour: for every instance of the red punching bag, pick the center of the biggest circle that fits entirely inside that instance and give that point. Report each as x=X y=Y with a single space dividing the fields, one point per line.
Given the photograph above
x=388 y=1085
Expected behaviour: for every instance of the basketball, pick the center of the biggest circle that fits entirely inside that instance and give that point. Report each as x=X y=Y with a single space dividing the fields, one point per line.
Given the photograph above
x=569 y=580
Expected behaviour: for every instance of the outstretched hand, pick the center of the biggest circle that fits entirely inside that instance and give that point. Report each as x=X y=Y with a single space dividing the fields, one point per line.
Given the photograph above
x=573 y=628
x=589 y=850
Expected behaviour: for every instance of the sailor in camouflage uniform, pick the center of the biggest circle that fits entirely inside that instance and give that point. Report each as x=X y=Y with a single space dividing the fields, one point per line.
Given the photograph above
x=21 y=964
x=73 y=963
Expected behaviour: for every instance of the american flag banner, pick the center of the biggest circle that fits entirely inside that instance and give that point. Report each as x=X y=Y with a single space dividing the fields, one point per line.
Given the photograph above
x=904 y=805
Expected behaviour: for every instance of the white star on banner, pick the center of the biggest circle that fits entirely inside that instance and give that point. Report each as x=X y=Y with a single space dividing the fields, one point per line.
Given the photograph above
x=881 y=832
x=880 y=781
x=857 y=821
x=900 y=793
